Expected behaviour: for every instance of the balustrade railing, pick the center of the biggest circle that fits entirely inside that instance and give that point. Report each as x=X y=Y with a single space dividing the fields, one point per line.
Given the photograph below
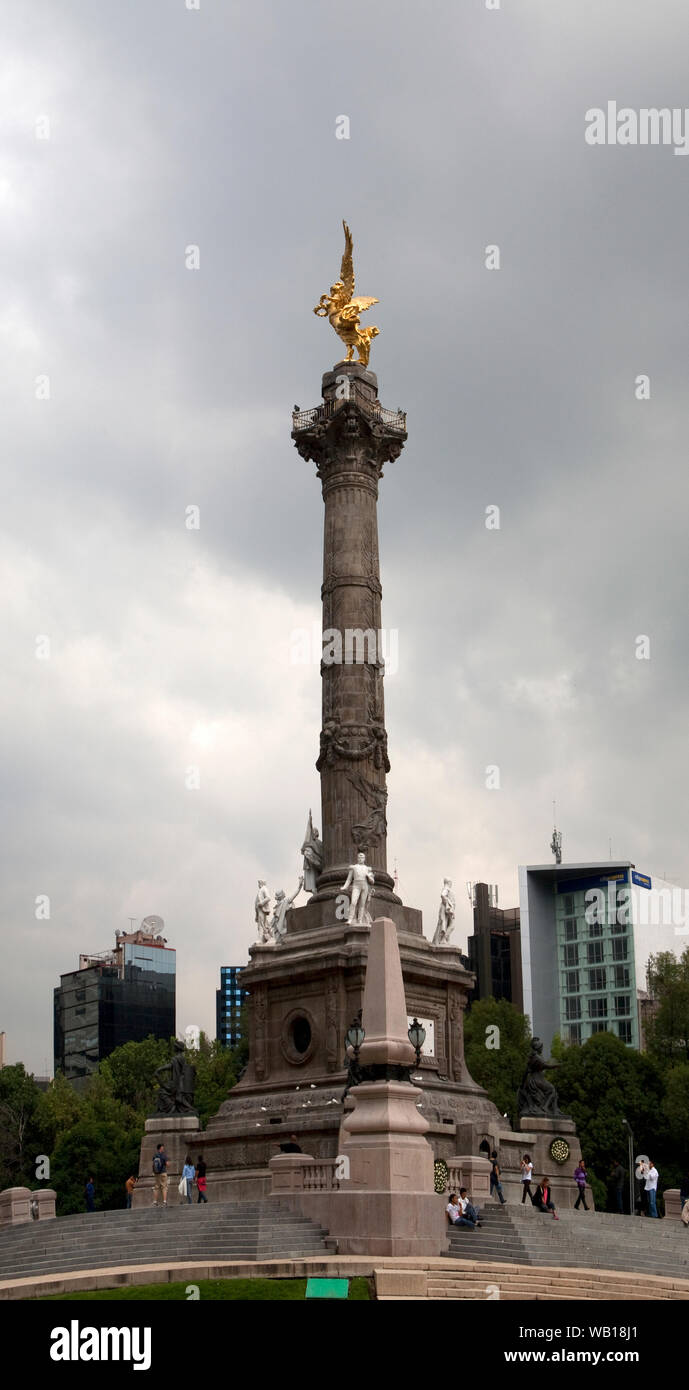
x=306 y=419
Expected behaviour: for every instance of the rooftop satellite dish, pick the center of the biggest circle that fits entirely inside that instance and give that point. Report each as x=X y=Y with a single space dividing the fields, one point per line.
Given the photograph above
x=153 y=926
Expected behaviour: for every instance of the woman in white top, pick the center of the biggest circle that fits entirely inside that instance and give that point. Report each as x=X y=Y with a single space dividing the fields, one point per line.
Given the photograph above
x=527 y=1170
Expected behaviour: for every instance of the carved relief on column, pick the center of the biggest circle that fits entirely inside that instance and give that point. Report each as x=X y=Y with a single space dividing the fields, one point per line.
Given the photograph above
x=260 y=1013
x=455 y=1015
x=332 y=1049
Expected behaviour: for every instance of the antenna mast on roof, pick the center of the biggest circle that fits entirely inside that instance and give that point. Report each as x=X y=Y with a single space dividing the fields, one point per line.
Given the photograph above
x=556 y=842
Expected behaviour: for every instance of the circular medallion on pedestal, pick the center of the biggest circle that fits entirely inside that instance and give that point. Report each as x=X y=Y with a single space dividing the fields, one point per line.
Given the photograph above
x=559 y=1150
x=298 y=1036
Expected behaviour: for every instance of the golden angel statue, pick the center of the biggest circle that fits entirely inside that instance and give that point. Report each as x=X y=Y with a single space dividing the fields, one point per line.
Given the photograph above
x=343 y=308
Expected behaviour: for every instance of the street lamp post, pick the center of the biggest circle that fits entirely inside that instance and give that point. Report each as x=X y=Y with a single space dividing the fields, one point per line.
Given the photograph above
x=417 y=1037
x=630 y=1143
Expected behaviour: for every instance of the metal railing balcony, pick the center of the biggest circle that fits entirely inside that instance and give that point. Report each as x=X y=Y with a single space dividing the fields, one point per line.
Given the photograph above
x=303 y=420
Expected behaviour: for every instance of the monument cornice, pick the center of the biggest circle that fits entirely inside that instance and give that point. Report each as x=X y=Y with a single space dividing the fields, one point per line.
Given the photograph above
x=326 y=948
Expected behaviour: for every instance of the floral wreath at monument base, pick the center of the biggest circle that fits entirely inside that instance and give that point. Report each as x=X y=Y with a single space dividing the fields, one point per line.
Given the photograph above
x=559 y=1150
x=441 y=1175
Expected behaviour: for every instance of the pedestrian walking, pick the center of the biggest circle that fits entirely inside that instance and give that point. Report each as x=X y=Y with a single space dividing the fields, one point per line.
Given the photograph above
x=527 y=1174
x=617 y=1174
x=201 y=1180
x=651 y=1187
x=160 y=1178
x=580 y=1180
x=129 y=1189
x=90 y=1194
x=188 y=1175
x=495 y=1182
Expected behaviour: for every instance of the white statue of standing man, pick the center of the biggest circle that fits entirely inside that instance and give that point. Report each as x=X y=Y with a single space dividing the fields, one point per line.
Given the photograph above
x=446 y=915
x=278 y=925
x=312 y=850
x=360 y=880
x=262 y=913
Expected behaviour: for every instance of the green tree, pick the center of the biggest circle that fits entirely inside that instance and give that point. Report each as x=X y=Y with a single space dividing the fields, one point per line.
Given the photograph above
x=57 y=1110
x=676 y=1112
x=96 y=1148
x=130 y=1070
x=216 y=1074
x=667 y=1033
x=600 y=1085
x=20 y=1137
x=497 y=1060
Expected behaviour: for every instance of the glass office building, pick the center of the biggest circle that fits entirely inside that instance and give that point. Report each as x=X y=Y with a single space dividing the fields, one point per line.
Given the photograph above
x=228 y=1003
x=596 y=959
x=587 y=931
x=116 y=997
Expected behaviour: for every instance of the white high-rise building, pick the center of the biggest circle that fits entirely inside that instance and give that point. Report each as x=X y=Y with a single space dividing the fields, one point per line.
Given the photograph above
x=587 y=931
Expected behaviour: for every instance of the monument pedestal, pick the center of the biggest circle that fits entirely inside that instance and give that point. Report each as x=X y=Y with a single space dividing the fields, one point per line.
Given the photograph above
x=180 y=1135
x=537 y=1136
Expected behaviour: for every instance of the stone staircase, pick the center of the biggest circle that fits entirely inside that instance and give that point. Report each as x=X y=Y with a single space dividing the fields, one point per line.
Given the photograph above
x=478 y=1280
x=222 y=1231
x=520 y=1235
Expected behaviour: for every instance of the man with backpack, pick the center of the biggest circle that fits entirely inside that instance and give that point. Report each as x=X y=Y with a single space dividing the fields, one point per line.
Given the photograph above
x=160 y=1178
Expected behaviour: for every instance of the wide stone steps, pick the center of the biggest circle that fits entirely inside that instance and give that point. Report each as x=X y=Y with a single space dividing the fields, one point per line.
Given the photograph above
x=226 y=1231
x=582 y=1240
x=483 y=1281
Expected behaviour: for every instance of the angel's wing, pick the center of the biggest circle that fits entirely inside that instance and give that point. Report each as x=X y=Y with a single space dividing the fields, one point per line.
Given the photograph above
x=362 y=303
x=347 y=267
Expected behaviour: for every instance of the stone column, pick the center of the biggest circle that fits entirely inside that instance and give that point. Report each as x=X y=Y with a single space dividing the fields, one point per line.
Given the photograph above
x=350 y=437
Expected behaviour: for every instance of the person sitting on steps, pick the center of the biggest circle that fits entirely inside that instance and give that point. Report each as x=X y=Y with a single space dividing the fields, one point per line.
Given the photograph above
x=469 y=1211
x=542 y=1199
x=455 y=1213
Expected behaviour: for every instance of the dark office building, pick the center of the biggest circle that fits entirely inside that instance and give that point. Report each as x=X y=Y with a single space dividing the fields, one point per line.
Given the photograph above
x=114 y=997
x=495 y=950
x=228 y=1003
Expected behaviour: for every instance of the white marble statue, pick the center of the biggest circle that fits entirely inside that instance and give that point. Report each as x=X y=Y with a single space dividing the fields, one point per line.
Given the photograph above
x=278 y=926
x=312 y=850
x=262 y=913
x=446 y=915
x=360 y=881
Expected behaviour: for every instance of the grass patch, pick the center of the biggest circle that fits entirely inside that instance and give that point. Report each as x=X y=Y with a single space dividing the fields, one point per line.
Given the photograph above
x=216 y=1290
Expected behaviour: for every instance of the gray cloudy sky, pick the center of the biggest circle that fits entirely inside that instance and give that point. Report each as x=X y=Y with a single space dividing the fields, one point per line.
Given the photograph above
x=171 y=387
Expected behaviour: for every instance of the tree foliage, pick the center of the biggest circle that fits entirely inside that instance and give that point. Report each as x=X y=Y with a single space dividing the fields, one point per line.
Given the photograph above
x=97 y=1131
x=600 y=1085
x=217 y=1070
x=96 y=1148
x=130 y=1071
x=499 y=1068
x=20 y=1135
x=667 y=1032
